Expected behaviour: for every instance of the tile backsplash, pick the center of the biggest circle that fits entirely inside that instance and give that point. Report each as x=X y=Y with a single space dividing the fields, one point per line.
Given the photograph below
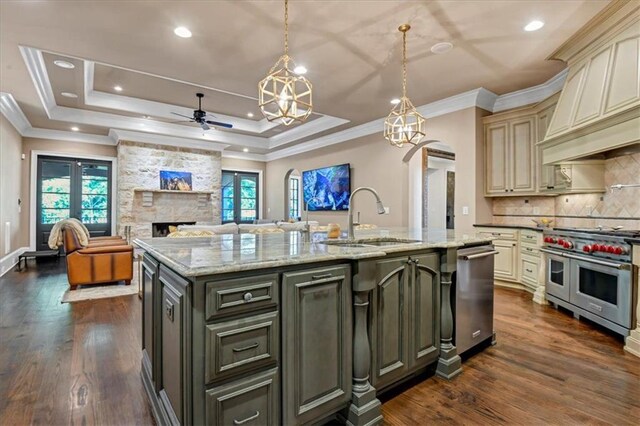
x=613 y=208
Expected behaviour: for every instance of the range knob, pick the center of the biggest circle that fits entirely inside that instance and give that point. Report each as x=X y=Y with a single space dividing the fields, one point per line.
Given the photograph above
x=610 y=249
x=619 y=250
x=595 y=247
x=553 y=240
x=560 y=241
x=567 y=244
x=587 y=248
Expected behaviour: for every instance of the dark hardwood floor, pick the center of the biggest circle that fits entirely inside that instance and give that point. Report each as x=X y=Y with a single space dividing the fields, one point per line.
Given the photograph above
x=79 y=364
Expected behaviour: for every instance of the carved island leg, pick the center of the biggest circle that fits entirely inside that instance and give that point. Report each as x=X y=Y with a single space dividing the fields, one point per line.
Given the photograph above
x=365 y=408
x=449 y=363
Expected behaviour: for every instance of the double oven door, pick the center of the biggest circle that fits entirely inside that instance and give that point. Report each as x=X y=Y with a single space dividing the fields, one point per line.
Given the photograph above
x=598 y=286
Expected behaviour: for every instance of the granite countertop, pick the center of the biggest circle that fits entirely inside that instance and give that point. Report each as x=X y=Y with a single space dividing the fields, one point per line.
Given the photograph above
x=192 y=257
x=500 y=225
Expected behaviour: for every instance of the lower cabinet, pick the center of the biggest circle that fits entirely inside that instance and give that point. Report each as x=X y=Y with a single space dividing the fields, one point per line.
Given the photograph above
x=506 y=261
x=404 y=317
x=250 y=401
x=175 y=350
x=150 y=338
x=316 y=346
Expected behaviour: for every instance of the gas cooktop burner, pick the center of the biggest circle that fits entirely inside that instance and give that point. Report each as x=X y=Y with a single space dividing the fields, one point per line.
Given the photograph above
x=627 y=233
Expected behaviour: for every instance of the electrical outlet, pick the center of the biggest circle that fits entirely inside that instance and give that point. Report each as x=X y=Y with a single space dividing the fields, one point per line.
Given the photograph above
x=536 y=210
x=386 y=210
x=465 y=210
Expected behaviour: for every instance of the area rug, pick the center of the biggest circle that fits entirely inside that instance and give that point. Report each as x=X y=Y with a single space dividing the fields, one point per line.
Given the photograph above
x=93 y=292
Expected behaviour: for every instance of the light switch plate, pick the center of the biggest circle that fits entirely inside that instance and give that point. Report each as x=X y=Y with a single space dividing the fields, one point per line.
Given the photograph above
x=386 y=210
x=465 y=210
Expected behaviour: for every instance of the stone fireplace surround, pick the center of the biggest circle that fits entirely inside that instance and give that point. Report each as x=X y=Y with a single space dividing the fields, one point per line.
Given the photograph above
x=139 y=166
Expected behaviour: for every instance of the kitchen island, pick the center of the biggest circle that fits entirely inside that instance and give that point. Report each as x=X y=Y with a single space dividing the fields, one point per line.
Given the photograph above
x=290 y=328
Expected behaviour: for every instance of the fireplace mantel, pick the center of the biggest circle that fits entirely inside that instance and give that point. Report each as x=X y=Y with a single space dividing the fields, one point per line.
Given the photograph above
x=148 y=195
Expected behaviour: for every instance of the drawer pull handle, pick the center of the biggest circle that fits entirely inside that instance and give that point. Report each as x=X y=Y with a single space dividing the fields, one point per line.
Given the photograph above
x=596 y=307
x=529 y=271
x=246 y=348
x=247 y=297
x=248 y=419
x=528 y=249
x=321 y=276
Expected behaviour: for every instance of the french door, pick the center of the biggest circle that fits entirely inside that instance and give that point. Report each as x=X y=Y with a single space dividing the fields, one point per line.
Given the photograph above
x=239 y=197
x=72 y=187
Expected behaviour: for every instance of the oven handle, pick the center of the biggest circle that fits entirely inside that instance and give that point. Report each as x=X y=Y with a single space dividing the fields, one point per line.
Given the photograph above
x=621 y=266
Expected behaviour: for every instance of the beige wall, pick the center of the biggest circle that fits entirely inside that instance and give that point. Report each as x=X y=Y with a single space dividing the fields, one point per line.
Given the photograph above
x=10 y=188
x=249 y=166
x=71 y=149
x=375 y=163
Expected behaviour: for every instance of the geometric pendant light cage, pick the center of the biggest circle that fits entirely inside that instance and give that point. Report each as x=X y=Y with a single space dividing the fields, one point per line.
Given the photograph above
x=404 y=124
x=284 y=95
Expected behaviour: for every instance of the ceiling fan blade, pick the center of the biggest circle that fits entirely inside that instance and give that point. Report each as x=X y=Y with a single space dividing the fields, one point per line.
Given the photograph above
x=180 y=121
x=219 y=124
x=181 y=115
x=204 y=125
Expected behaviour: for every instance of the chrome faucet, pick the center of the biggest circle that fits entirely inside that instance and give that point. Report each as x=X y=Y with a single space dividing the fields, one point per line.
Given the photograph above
x=378 y=204
x=307 y=228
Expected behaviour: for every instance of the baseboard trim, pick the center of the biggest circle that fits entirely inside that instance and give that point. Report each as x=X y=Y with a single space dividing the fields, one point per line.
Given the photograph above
x=10 y=260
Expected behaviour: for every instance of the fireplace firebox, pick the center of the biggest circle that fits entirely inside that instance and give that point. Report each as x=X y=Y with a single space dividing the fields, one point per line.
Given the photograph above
x=161 y=229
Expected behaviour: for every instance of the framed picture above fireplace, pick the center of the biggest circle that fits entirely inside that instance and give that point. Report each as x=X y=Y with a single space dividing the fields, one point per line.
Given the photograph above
x=175 y=181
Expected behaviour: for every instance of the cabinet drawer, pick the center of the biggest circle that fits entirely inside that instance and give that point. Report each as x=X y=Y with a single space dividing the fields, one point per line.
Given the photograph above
x=241 y=295
x=499 y=233
x=530 y=251
x=249 y=402
x=235 y=346
x=529 y=271
x=531 y=238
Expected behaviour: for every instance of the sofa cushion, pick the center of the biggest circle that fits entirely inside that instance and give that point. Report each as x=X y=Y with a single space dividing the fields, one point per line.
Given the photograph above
x=227 y=228
x=190 y=234
x=246 y=228
x=296 y=226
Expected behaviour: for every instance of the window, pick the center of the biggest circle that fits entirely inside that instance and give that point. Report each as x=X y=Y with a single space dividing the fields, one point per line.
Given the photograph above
x=294 y=197
x=239 y=197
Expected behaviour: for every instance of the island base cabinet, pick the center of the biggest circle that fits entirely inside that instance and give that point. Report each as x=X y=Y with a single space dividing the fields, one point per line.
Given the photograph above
x=317 y=329
x=175 y=353
x=404 y=317
x=250 y=402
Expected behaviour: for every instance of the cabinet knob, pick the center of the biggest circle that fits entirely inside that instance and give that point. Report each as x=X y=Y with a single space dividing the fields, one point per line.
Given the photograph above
x=247 y=297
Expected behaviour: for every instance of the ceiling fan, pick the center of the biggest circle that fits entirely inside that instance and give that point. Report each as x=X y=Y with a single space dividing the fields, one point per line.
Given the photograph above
x=200 y=117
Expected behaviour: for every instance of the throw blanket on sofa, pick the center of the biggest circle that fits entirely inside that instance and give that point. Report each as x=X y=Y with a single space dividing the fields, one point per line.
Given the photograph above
x=55 y=238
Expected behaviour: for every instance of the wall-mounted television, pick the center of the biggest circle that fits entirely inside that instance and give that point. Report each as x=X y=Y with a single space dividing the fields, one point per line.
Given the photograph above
x=328 y=188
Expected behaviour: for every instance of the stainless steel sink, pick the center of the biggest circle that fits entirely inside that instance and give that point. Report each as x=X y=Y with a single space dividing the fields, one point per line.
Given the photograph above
x=373 y=242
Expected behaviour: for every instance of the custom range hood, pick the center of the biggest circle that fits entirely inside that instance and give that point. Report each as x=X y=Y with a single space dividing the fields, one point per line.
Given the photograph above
x=599 y=107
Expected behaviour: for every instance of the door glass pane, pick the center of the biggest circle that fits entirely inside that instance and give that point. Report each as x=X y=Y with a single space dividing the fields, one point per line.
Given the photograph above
x=294 y=198
x=248 y=198
x=95 y=194
x=55 y=191
x=599 y=285
x=556 y=272
x=228 y=204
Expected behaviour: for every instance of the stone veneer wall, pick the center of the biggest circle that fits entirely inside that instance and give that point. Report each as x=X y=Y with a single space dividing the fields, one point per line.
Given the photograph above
x=613 y=208
x=139 y=166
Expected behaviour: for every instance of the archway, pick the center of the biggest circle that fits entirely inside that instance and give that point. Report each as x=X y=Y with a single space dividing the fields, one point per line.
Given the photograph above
x=431 y=185
x=292 y=173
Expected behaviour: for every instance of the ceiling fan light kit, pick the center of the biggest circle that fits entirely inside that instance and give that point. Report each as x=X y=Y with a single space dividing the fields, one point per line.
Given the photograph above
x=404 y=124
x=283 y=94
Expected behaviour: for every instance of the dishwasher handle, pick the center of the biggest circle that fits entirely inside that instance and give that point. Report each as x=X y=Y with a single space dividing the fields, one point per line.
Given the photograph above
x=478 y=255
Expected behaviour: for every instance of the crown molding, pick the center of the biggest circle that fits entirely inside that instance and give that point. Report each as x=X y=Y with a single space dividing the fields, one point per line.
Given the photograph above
x=531 y=95
x=308 y=129
x=11 y=110
x=244 y=156
x=132 y=136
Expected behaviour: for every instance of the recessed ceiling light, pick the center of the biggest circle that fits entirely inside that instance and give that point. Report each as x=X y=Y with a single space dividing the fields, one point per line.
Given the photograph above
x=395 y=101
x=300 y=69
x=440 y=48
x=69 y=95
x=75 y=129
x=146 y=117
x=245 y=150
x=117 y=88
x=182 y=32
x=64 y=64
x=534 y=25
x=250 y=114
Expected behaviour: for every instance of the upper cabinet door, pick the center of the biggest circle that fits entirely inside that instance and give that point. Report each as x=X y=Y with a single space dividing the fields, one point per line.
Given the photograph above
x=523 y=139
x=496 y=158
x=545 y=174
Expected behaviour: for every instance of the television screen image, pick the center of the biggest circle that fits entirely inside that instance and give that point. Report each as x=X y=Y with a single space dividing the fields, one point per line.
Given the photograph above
x=327 y=188
x=175 y=181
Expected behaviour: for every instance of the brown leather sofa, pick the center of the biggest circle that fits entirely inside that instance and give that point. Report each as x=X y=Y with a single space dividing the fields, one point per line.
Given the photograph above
x=99 y=262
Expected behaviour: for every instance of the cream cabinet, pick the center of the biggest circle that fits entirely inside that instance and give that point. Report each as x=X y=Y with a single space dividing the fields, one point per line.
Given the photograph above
x=510 y=156
x=506 y=261
x=545 y=173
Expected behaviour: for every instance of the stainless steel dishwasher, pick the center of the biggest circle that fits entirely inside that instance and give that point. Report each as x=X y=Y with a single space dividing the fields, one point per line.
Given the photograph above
x=472 y=297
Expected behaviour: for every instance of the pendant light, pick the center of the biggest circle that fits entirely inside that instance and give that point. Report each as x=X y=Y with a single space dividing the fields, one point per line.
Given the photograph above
x=404 y=123
x=285 y=95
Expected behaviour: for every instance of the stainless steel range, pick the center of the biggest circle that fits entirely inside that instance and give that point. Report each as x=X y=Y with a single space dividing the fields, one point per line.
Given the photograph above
x=589 y=272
